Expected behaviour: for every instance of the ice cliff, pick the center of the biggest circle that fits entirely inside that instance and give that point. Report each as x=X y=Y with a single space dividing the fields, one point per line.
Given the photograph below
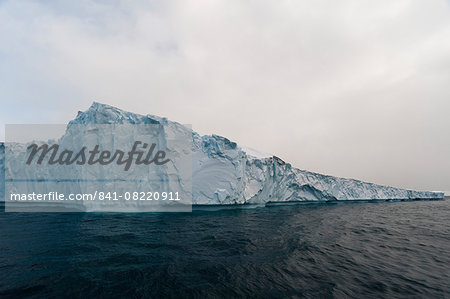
x=224 y=173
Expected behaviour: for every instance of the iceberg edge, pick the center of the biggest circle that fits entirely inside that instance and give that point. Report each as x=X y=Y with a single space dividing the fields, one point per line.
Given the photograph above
x=227 y=174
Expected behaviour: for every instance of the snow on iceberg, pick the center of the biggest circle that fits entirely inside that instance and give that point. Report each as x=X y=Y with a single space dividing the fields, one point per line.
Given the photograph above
x=224 y=173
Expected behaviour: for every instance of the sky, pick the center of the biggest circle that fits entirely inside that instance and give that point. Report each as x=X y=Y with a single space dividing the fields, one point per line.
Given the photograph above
x=357 y=89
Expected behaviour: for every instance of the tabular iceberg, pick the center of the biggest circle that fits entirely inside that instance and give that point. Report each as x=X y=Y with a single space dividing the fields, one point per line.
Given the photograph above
x=224 y=173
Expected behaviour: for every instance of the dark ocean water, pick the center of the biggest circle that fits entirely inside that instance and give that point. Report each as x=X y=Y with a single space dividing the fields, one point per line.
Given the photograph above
x=396 y=249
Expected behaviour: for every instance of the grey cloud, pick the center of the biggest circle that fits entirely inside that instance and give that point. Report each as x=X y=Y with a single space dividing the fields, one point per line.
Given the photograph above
x=350 y=88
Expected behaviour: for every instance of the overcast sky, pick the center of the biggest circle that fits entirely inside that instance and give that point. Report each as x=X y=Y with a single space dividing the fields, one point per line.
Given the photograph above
x=355 y=89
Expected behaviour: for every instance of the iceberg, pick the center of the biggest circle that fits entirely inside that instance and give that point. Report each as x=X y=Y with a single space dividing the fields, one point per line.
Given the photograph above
x=223 y=173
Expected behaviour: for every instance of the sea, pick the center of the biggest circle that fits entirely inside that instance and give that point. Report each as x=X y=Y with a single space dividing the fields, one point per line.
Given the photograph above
x=329 y=250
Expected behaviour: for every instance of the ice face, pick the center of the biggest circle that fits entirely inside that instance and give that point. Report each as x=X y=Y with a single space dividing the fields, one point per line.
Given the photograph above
x=2 y=171
x=224 y=173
